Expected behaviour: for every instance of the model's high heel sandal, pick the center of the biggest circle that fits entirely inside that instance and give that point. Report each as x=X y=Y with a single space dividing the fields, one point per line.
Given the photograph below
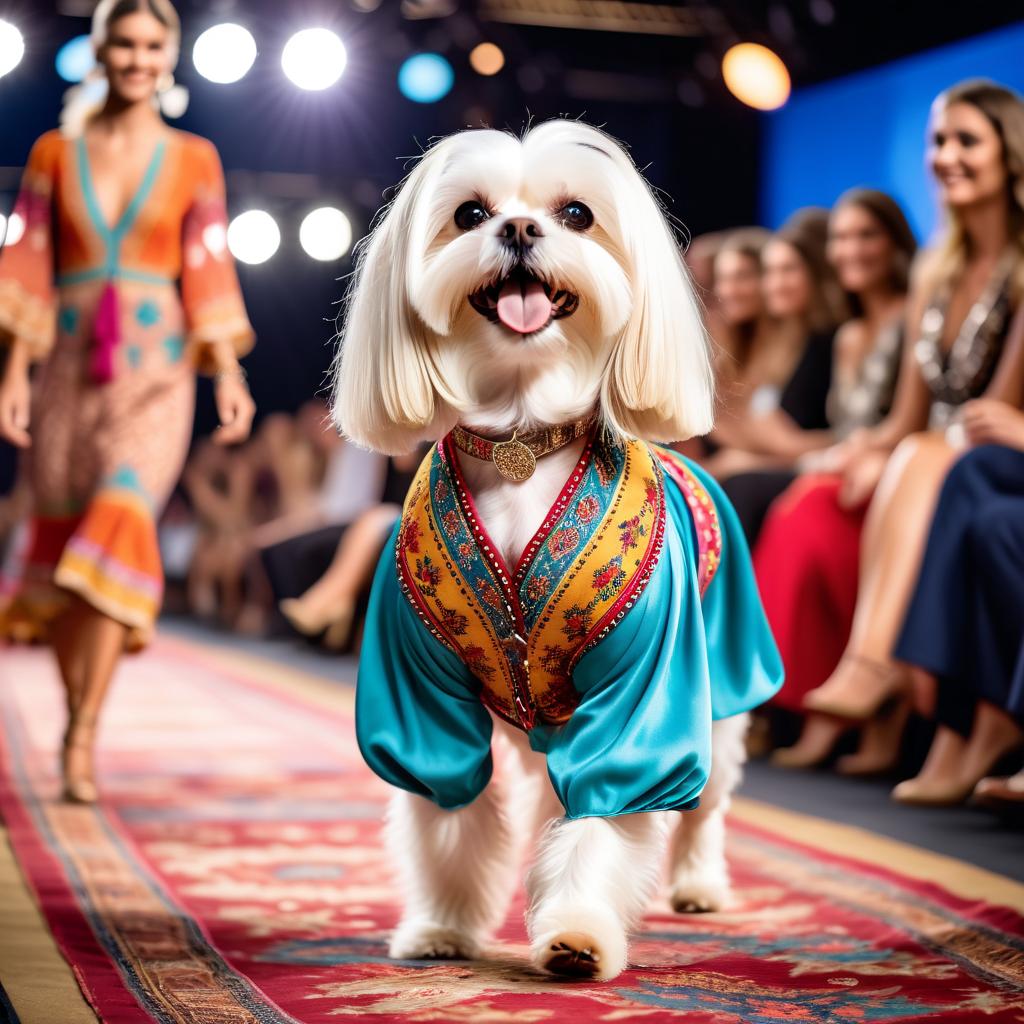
x=879 y=751
x=817 y=741
x=77 y=762
x=888 y=683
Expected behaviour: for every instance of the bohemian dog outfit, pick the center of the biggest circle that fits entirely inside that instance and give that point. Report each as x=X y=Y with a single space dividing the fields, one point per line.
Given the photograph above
x=630 y=623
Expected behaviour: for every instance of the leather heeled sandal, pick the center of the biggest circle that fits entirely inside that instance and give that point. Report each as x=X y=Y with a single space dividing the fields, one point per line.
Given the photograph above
x=890 y=684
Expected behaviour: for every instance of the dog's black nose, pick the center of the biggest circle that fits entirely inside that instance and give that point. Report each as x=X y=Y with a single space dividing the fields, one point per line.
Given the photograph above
x=520 y=231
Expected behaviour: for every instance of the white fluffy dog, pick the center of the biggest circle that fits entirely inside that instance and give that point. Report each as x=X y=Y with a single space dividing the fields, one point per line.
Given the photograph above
x=516 y=283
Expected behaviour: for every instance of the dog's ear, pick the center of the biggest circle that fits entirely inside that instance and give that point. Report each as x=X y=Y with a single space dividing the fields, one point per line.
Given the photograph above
x=659 y=384
x=384 y=394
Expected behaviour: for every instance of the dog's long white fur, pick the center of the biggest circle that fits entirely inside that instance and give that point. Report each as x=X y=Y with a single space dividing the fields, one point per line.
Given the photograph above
x=415 y=359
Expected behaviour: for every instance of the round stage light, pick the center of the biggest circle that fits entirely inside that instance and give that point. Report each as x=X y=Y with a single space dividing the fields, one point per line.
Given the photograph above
x=756 y=76
x=325 y=234
x=15 y=229
x=224 y=53
x=75 y=59
x=425 y=78
x=3 y=229
x=486 y=59
x=12 y=47
x=253 y=236
x=314 y=58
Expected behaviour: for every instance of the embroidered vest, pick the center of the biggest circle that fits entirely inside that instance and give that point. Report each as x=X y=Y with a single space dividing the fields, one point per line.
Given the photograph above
x=522 y=631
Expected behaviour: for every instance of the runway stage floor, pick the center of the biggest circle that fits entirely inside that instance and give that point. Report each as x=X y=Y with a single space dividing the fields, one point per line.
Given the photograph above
x=233 y=873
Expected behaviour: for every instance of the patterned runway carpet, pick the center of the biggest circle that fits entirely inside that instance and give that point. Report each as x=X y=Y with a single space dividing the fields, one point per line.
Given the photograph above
x=234 y=874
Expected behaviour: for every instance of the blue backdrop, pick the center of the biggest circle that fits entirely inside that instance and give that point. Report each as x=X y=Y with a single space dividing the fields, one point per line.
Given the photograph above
x=869 y=129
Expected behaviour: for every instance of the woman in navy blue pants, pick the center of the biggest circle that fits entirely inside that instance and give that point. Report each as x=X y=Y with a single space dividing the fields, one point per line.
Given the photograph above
x=964 y=631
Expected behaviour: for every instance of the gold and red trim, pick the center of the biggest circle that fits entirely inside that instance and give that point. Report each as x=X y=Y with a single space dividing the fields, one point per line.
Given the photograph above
x=706 y=524
x=521 y=631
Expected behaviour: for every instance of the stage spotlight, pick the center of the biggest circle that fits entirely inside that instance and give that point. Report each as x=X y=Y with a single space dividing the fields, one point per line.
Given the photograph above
x=75 y=59
x=325 y=234
x=224 y=53
x=314 y=58
x=756 y=76
x=3 y=229
x=15 y=229
x=486 y=59
x=253 y=236
x=12 y=47
x=425 y=78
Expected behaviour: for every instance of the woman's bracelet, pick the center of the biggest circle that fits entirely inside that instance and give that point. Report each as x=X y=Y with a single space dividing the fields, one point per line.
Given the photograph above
x=237 y=372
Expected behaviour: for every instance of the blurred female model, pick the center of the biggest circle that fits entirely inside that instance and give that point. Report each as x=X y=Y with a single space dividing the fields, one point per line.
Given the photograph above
x=123 y=209
x=965 y=342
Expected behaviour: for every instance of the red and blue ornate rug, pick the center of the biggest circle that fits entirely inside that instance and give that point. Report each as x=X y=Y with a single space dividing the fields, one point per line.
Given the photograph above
x=234 y=875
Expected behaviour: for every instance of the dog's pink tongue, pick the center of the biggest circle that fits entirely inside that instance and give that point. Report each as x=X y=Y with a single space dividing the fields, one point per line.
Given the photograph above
x=523 y=306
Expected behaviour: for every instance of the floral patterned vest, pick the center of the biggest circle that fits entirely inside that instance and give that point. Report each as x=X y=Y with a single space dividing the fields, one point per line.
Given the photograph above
x=522 y=631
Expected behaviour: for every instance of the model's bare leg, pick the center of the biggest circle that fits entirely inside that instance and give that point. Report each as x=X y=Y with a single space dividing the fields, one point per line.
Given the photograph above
x=99 y=642
x=894 y=537
x=71 y=655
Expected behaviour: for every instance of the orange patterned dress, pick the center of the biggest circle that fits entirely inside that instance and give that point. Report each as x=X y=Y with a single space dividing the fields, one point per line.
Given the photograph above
x=121 y=315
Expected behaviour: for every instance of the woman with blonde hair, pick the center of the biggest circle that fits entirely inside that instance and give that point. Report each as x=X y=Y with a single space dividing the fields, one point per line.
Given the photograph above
x=965 y=325
x=124 y=210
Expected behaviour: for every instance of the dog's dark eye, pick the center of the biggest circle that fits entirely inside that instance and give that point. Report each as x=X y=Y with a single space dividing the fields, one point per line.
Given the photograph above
x=576 y=215
x=470 y=215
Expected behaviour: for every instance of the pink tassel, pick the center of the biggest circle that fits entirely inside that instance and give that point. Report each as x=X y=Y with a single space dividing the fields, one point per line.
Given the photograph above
x=106 y=336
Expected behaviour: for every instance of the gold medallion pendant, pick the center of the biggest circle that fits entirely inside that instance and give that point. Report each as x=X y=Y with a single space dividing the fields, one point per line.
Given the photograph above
x=513 y=460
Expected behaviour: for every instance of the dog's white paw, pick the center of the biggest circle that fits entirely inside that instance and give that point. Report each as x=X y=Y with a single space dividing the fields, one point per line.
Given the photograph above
x=698 y=892
x=580 y=946
x=419 y=940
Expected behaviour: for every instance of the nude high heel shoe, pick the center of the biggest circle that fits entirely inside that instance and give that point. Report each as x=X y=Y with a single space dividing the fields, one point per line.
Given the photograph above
x=879 y=751
x=817 y=741
x=881 y=684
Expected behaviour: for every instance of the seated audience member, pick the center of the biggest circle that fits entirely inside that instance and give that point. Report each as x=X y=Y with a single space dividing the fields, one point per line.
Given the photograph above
x=964 y=631
x=329 y=605
x=787 y=379
x=964 y=341
x=871 y=248
x=737 y=322
x=219 y=483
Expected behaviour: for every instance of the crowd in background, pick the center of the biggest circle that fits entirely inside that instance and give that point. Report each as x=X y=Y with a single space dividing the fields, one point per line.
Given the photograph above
x=871 y=438
x=863 y=385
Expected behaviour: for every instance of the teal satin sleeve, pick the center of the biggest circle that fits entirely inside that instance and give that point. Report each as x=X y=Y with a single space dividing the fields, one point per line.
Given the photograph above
x=640 y=739
x=419 y=720
x=744 y=662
